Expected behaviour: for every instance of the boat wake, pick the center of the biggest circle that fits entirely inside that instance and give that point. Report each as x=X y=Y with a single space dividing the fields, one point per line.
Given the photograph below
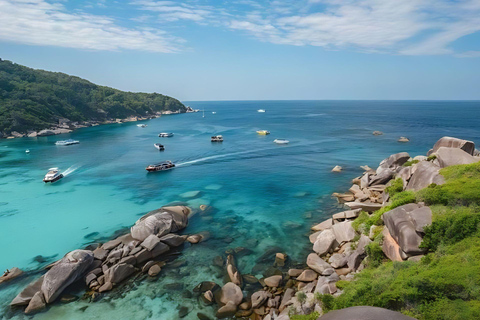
x=70 y=170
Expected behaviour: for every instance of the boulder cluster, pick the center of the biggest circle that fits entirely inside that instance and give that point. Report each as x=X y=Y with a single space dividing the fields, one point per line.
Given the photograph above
x=107 y=265
x=339 y=251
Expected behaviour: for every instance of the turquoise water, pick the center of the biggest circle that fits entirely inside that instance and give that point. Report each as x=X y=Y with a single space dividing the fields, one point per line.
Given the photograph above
x=260 y=190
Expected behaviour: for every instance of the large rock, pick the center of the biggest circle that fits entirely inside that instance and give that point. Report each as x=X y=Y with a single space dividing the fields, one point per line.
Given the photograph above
x=391 y=248
x=259 y=298
x=45 y=132
x=359 y=254
x=11 y=274
x=24 y=297
x=68 y=270
x=343 y=231
x=316 y=263
x=425 y=174
x=364 y=313
x=118 y=272
x=161 y=222
x=227 y=311
x=325 y=242
x=392 y=162
x=452 y=156
x=307 y=276
x=231 y=292
x=402 y=226
x=327 y=224
x=382 y=177
x=449 y=142
x=364 y=206
x=36 y=304
x=273 y=281
x=173 y=240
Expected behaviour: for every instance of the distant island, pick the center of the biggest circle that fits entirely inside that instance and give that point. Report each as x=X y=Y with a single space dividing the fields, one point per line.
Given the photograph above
x=37 y=102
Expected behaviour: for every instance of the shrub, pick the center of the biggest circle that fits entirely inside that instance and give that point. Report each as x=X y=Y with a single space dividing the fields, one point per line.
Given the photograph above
x=375 y=255
x=395 y=187
x=358 y=223
x=327 y=301
x=312 y=316
x=410 y=163
x=432 y=157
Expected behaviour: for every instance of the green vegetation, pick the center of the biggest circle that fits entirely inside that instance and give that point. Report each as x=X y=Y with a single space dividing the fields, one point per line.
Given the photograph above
x=445 y=284
x=461 y=187
x=410 y=163
x=312 y=316
x=395 y=187
x=432 y=157
x=35 y=99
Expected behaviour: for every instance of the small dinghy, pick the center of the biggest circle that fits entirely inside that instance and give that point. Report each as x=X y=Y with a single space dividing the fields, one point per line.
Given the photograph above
x=142 y=125
x=281 y=141
x=217 y=138
x=263 y=132
x=165 y=134
x=159 y=146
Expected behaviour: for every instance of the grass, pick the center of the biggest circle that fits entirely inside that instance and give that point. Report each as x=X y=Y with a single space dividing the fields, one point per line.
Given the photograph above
x=445 y=284
x=410 y=163
x=312 y=316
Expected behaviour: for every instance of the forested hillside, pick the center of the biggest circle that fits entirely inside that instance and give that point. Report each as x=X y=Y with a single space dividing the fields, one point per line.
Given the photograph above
x=35 y=99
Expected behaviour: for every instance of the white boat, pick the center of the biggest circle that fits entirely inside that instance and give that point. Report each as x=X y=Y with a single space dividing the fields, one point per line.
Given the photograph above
x=217 y=138
x=163 y=166
x=214 y=112
x=261 y=110
x=67 y=142
x=159 y=146
x=263 y=132
x=165 y=134
x=281 y=141
x=52 y=175
x=203 y=115
x=142 y=125
x=27 y=151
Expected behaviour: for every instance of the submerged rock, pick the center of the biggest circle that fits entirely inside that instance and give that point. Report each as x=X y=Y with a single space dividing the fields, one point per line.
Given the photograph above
x=161 y=222
x=11 y=274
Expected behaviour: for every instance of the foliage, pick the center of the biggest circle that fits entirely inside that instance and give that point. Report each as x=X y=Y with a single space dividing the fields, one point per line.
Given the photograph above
x=35 y=99
x=410 y=163
x=312 y=316
x=375 y=254
x=301 y=296
x=432 y=157
x=327 y=300
x=421 y=288
x=453 y=225
x=360 y=221
x=461 y=187
x=395 y=187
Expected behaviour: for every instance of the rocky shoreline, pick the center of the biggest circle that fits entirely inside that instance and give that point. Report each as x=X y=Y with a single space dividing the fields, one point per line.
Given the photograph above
x=340 y=246
x=66 y=126
x=151 y=243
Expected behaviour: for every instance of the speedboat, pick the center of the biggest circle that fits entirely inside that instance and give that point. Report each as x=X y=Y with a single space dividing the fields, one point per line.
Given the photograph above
x=142 y=125
x=214 y=112
x=261 y=110
x=165 y=135
x=67 y=142
x=162 y=166
x=52 y=175
x=27 y=151
x=159 y=146
x=263 y=132
x=217 y=139
x=281 y=141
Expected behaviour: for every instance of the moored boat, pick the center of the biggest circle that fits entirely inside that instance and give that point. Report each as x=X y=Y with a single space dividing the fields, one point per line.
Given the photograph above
x=165 y=134
x=52 y=175
x=162 y=166
x=281 y=141
x=142 y=125
x=261 y=110
x=263 y=132
x=67 y=142
x=159 y=146
x=217 y=138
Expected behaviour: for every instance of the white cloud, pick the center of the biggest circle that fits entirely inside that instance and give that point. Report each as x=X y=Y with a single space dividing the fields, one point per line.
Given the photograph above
x=38 y=22
x=413 y=27
x=169 y=11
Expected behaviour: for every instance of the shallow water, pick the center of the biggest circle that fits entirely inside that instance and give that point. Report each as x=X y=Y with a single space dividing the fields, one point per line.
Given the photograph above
x=260 y=190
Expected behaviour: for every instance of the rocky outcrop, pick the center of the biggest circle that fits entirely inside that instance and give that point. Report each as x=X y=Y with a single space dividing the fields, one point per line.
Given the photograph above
x=425 y=174
x=452 y=156
x=393 y=162
x=113 y=262
x=449 y=142
x=11 y=274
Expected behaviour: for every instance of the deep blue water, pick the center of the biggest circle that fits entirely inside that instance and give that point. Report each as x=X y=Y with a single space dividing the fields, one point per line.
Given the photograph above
x=272 y=193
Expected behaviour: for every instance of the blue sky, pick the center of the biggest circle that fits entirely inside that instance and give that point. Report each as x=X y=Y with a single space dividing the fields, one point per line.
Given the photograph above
x=249 y=50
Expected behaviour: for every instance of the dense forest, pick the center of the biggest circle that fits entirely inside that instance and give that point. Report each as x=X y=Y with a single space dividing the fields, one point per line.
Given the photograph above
x=35 y=99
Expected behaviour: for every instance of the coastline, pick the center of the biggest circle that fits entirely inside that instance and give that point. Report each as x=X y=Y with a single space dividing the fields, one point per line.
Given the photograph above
x=67 y=126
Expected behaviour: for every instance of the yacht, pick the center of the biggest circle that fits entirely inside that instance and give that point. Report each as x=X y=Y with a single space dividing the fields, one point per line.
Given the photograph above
x=263 y=132
x=217 y=139
x=142 y=125
x=67 y=142
x=165 y=135
x=261 y=110
x=159 y=146
x=281 y=141
x=52 y=175
x=162 y=166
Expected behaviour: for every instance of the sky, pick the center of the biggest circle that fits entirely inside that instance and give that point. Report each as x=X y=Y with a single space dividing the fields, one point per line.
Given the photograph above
x=254 y=50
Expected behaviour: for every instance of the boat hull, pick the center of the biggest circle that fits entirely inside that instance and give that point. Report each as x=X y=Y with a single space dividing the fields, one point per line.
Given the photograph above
x=53 y=179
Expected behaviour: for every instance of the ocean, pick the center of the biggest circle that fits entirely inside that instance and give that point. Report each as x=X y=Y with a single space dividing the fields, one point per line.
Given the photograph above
x=264 y=196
